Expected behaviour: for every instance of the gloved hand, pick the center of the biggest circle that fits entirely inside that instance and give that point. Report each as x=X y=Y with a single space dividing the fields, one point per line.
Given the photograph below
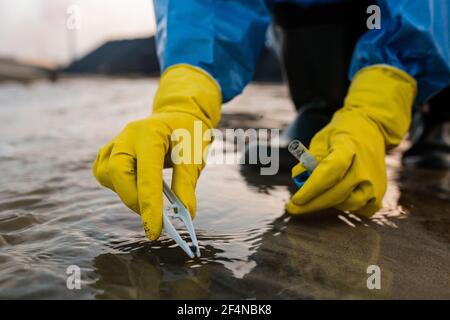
x=131 y=164
x=351 y=175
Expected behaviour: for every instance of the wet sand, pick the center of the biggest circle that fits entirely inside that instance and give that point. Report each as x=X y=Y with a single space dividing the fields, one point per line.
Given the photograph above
x=53 y=214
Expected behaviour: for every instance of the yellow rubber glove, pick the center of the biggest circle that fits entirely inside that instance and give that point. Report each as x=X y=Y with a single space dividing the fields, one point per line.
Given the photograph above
x=131 y=164
x=351 y=175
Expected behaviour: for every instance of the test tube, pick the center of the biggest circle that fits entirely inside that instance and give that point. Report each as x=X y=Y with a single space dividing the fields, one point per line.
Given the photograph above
x=301 y=153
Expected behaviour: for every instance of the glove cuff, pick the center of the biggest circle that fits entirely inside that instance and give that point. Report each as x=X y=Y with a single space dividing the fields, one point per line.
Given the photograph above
x=386 y=95
x=188 y=89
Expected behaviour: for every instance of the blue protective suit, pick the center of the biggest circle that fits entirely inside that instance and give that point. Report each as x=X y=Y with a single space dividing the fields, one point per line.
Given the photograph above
x=225 y=37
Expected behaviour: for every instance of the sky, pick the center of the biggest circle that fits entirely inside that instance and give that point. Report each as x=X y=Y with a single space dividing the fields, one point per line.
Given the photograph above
x=37 y=29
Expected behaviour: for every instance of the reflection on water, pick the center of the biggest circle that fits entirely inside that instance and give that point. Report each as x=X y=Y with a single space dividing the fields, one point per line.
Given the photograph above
x=53 y=214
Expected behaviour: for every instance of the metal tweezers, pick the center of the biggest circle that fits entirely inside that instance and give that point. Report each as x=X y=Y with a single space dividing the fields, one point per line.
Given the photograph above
x=179 y=211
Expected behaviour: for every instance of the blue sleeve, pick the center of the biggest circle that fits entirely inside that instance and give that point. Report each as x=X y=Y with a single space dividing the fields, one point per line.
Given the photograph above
x=223 y=37
x=414 y=37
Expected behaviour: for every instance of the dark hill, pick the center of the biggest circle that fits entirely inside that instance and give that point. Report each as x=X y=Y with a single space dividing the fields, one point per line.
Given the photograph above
x=138 y=57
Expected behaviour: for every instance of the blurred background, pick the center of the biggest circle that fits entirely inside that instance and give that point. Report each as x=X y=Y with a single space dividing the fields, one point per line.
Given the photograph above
x=36 y=29
x=50 y=38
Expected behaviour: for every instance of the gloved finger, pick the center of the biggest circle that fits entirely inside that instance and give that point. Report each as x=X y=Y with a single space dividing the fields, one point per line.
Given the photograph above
x=184 y=180
x=297 y=170
x=359 y=198
x=319 y=146
x=150 y=162
x=311 y=206
x=122 y=172
x=327 y=174
x=100 y=166
x=328 y=199
x=370 y=208
x=292 y=208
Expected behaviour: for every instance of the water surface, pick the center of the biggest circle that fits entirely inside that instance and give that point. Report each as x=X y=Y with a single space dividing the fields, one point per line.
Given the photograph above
x=53 y=214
